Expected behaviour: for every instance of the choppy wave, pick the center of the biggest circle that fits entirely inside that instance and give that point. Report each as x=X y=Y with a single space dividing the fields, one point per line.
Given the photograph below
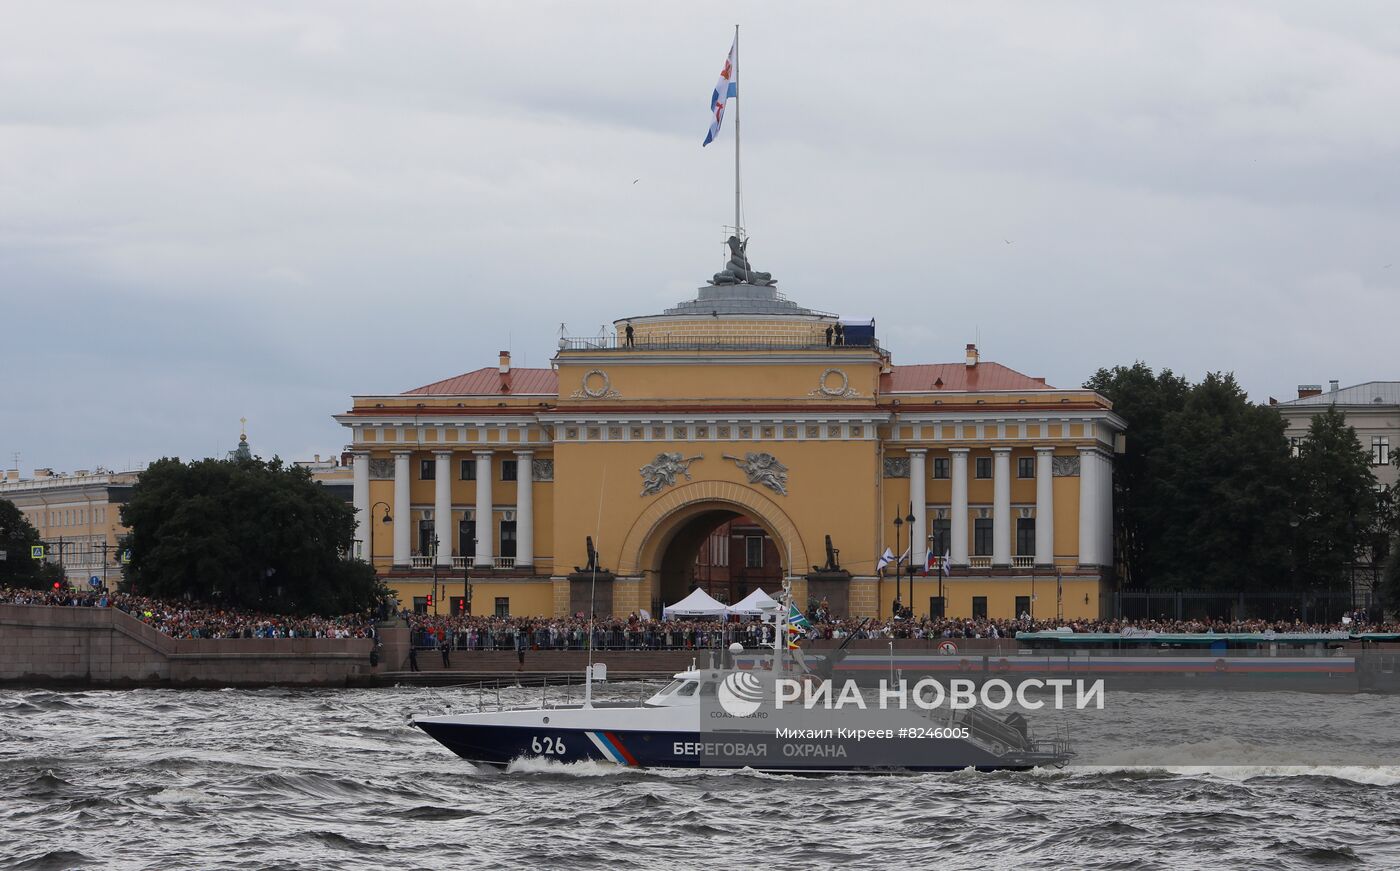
x=299 y=779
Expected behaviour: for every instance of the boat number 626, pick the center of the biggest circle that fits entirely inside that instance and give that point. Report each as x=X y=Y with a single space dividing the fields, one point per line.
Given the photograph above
x=548 y=746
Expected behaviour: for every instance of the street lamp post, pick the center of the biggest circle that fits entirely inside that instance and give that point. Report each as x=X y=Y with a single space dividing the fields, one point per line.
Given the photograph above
x=467 y=580
x=898 y=527
x=387 y=519
x=911 y=520
x=433 y=557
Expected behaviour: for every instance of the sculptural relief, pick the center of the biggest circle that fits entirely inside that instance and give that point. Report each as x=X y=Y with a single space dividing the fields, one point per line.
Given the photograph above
x=661 y=472
x=763 y=469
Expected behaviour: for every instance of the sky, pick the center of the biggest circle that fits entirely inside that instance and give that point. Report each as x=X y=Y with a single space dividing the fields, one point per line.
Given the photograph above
x=218 y=210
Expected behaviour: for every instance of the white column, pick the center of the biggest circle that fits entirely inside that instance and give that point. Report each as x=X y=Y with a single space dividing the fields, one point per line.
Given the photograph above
x=363 y=522
x=442 y=506
x=1044 y=506
x=485 y=530
x=403 y=514
x=957 y=526
x=1088 y=507
x=1106 y=509
x=524 y=508
x=1001 y=506
x=918 y=474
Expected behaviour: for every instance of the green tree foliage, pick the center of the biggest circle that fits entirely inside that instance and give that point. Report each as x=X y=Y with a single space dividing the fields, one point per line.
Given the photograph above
x=244 y=533
x=1336 y=503
x=1224 y=494
x=1144 y=399
x=17 y=536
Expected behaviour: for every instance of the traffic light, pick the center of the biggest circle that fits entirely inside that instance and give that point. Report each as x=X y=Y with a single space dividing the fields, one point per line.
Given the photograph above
x=57 y=585
x=462 y=605
x=430 y=599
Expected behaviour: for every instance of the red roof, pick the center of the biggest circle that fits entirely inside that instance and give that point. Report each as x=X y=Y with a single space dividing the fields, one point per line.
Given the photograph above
x=489 y=381
x=983 y=377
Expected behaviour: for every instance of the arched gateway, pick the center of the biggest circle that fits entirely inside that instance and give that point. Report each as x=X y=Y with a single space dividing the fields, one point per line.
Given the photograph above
x=662 y=542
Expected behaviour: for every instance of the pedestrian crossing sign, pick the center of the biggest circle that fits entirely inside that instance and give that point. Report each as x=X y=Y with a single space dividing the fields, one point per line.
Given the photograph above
x=36 y=551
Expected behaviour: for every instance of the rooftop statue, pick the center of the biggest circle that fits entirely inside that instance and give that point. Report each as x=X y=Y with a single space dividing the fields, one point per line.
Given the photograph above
x=737 y=270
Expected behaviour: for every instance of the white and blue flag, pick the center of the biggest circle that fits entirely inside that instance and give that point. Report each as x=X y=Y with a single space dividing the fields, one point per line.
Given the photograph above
x=728 y=87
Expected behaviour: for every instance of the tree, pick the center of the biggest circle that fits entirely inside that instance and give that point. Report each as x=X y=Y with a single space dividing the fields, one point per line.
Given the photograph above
x=1144 y=399
x=1222 y=493
x=17 y=537
x=245 y=533
x=1336 y=503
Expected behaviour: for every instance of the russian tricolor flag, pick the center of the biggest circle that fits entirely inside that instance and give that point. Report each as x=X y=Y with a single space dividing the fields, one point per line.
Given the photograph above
x=728 y=87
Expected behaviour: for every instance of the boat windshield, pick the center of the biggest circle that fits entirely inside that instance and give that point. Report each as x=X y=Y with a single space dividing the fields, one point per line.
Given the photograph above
x=688 y=689
x=671 y=687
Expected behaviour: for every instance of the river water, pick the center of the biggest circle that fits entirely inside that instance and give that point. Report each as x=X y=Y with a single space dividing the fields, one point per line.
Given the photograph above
x=164 y=779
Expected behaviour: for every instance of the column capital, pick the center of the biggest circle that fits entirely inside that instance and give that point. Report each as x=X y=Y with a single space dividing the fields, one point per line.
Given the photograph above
x=525 y=453
x=442 y=452
x=360 y=452
x=959 y=450
x=1045 y=449
x=1092 y=449
x=482 y=453
x=917 y=450
x=1001 y=449
x=402 y=452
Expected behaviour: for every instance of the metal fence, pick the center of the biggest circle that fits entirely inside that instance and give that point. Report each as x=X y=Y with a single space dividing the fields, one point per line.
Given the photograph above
x=1325 y=607
x=721 y=343
x=603 y=639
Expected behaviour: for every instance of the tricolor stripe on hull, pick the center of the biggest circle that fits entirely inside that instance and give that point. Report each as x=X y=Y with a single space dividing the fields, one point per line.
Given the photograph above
x=611 y=748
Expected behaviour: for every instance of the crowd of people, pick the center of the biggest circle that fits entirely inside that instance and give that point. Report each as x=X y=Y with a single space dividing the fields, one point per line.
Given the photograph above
x=188 y=620
x=635 y=632
x=638 y=632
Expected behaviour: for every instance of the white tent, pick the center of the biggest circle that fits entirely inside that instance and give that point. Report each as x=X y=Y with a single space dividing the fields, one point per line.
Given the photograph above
x=698 y=604
x=754 y=603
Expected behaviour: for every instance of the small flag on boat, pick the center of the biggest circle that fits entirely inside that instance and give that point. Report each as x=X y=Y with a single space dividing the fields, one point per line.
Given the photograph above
x=728 y=87
x=885 y=559
x=797 y=621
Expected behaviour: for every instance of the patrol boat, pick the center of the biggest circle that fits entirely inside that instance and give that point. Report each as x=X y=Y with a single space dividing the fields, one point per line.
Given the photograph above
x=729 y=718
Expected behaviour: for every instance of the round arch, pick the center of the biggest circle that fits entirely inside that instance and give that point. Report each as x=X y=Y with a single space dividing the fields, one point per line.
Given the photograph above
x=653 y=529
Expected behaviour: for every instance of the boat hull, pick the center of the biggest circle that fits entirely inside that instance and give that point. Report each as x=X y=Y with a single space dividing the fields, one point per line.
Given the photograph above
x=499 y=745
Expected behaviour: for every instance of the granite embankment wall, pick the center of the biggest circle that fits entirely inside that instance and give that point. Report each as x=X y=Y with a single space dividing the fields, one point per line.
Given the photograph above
x=103 y=646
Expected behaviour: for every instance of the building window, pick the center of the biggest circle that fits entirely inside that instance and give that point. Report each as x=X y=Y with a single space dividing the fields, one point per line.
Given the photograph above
x=425 y=538
x=935 y=607
x=940 y=468
x=982 y=536
x=508 y=469
x=508 y=539
x=1025 y=467
x=1380 y=450
x=941 y=538
x=1295 y=445
x=979 y=607
x=466 y=538
x=1023 y=606
x=1025 y=537
x=753 y=552
x=503 y=606
x=427 y=470
x=467 y=470
x=983 y=467
x=420 y=604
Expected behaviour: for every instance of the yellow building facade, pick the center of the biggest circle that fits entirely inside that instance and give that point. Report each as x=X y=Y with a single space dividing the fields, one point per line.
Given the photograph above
x=738 y=403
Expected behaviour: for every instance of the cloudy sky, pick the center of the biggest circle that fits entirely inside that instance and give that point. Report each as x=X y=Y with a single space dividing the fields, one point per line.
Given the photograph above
x=217 y=210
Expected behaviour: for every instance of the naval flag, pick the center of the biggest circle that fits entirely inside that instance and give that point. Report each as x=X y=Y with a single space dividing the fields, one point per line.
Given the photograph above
x=885 y=559
x=728 y=87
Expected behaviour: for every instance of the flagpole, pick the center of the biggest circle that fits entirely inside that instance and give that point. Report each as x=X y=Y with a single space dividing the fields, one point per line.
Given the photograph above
x=738 y=232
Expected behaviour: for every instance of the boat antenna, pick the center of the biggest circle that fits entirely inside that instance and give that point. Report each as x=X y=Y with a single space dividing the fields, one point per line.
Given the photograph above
x=592 y=591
